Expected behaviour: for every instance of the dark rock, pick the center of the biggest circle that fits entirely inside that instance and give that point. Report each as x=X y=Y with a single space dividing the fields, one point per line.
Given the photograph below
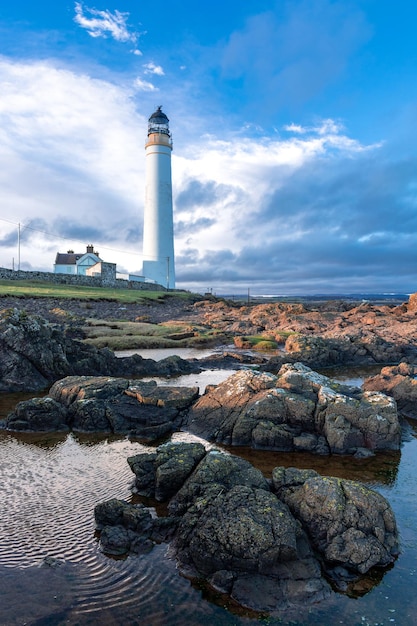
x=144 y=467
x=123 y=527
x=216 y=473
x=105 y=404
x=252 y=535
x=234 y=532
x=161 y=474
x=35 y=353
x=349 y=524
x=264 y=547
x=38 y=414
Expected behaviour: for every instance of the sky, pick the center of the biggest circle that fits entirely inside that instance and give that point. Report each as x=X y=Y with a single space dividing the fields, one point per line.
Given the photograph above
x=294 y=126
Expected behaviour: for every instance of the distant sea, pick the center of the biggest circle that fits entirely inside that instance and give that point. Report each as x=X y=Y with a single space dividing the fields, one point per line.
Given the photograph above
x=384 y=298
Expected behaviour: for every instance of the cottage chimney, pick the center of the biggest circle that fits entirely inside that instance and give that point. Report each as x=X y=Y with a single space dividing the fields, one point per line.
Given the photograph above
x=90 y=248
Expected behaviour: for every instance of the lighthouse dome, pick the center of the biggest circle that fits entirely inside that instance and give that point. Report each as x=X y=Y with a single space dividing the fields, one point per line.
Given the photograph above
x=158 y=123
x=158 y=117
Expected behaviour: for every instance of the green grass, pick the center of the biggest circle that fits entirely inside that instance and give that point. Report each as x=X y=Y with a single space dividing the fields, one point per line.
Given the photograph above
x=256 y=342
x=37 y=289
x=133 y=335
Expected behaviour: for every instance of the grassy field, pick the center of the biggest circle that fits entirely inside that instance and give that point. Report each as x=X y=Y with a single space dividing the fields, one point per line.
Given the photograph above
x=35 y=289
x=120 y=335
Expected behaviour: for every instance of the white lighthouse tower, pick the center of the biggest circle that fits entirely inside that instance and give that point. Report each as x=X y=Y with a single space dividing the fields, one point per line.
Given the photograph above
x=158 y=227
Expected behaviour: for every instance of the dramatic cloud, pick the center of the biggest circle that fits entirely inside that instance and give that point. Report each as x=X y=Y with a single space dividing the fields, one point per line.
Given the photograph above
x=71 y=151
x=193 y=226
x=307 y=207
x=205 y=194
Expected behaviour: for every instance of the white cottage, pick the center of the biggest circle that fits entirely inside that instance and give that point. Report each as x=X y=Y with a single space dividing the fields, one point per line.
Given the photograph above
x=76 y=263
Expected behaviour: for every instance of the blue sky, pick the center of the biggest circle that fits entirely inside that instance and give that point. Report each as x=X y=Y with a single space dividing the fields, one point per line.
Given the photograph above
x=294 y=127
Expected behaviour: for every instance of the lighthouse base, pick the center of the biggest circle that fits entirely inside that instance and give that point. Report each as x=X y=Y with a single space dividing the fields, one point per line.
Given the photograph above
x=160 y=272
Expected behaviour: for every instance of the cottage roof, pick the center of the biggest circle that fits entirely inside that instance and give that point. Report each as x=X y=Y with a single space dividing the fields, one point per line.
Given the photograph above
x=67 y=258
x=71 y=257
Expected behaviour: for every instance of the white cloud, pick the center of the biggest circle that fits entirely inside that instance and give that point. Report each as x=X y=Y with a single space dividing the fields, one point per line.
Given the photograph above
x=256 y=169
x=151 y=68
x=71 y=152
x=295 y=128
x=144 y=85
x=104 y=23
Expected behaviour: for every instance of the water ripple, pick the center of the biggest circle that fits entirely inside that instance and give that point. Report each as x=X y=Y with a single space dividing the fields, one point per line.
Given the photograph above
x=49 y=494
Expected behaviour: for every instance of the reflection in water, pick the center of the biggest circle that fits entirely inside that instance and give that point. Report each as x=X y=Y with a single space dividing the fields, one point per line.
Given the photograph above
x=380 y=469
x=50 y=484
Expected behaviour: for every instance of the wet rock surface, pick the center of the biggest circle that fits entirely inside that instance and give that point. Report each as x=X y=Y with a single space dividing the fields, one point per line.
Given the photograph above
x=297 y=410
x=264 y=543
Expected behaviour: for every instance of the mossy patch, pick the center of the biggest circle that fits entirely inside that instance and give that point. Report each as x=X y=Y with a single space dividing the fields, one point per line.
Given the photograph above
x=136 y=335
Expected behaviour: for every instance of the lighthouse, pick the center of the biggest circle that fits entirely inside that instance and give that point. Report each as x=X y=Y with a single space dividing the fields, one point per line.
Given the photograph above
x=158 y=227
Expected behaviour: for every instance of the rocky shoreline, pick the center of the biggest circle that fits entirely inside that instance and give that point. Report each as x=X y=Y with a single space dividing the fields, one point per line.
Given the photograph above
x=267 y=544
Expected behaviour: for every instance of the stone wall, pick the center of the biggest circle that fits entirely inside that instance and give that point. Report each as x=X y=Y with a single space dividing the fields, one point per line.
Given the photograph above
x=107 y=279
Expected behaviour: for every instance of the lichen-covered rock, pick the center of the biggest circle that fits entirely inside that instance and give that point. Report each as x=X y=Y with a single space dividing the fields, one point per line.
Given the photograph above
x=265 y=543
x=298 y=409
x=251 y=535
x=348 y=523
x=162 y=473
x=230 y=528
x=217 y=472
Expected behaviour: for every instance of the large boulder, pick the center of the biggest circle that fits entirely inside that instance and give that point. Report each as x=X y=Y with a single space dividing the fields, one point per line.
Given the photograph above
x=227 y=527
x=35 y=353
x=265 y=543
x=103 y=404
x=296 y=410
x=350 y=525
x=245 y=541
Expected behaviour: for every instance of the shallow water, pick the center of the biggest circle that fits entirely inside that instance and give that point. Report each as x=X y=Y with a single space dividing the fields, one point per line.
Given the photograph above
x=157 y=354
x=50 y=484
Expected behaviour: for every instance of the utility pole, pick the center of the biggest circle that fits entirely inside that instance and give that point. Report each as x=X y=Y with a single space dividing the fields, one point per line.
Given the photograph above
x=18 y=247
